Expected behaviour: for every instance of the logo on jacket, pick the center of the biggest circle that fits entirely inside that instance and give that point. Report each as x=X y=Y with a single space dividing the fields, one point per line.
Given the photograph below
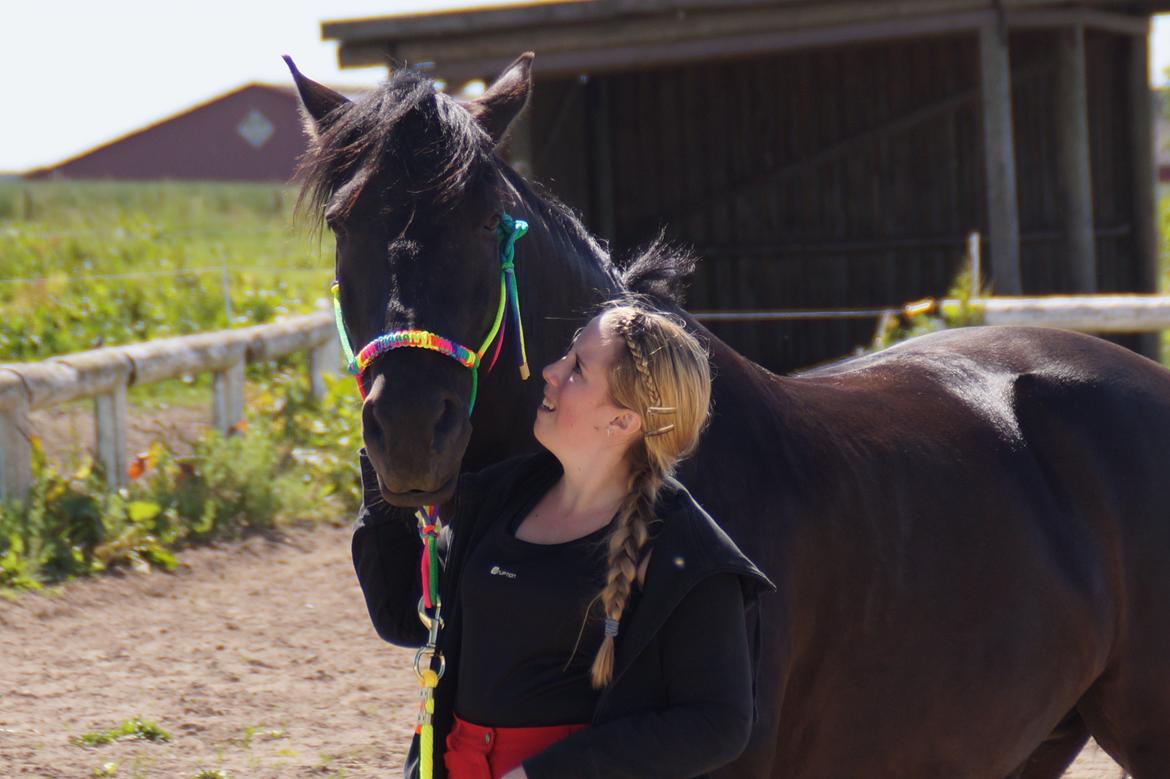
x=498 y=571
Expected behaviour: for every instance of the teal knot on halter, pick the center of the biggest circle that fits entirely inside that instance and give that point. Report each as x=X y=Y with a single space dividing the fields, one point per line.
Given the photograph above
x=509 y=231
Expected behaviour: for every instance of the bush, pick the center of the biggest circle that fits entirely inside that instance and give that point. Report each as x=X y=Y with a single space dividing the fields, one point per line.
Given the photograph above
x=285 y=463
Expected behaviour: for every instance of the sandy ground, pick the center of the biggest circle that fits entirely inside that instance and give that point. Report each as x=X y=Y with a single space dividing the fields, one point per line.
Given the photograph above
x=257 y=657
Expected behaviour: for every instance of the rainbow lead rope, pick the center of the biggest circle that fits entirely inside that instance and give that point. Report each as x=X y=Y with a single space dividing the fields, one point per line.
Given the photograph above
x=425 y=727
x=429 y=527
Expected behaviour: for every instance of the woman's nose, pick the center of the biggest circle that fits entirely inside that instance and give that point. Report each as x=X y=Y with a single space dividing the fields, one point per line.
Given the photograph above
x=547 y=372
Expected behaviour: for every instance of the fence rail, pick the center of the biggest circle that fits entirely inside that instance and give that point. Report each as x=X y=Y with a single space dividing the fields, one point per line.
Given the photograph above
x=105 y=374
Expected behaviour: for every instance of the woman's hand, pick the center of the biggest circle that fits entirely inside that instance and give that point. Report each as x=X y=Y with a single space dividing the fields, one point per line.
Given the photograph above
x=516 y=773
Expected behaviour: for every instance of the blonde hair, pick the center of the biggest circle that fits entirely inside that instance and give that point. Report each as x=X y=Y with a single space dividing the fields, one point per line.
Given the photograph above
x=663 y=374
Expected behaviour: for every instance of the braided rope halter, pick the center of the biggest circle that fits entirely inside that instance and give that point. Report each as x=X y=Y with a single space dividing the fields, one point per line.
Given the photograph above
x=430 y=524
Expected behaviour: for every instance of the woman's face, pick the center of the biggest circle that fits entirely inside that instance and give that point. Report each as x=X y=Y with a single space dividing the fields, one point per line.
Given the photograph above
x=577 y=410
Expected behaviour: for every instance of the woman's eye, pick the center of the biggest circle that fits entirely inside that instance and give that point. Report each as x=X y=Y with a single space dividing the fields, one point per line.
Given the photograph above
x=576 y=365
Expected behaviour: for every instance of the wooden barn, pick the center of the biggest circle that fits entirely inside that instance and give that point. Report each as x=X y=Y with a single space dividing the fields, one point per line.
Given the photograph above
x=829 y=154
x=253 y=133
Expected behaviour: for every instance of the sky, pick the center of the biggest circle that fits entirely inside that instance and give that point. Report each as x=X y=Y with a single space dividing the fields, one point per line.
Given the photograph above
x=75 y=74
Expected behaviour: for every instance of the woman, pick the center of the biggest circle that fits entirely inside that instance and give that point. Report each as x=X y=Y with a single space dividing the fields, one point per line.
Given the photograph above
x=595 y=614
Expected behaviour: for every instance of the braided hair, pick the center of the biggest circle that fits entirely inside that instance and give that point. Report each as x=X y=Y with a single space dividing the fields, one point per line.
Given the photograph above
x=663 y=374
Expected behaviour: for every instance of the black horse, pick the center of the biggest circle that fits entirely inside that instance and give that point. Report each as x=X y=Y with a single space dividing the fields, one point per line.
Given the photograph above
x=968 y=530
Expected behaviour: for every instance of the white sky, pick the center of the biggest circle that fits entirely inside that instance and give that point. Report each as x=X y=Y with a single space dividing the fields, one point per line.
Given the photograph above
x=76 y=73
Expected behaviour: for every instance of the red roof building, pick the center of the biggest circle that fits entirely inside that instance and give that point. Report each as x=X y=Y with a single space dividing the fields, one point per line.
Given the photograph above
x=253 y=133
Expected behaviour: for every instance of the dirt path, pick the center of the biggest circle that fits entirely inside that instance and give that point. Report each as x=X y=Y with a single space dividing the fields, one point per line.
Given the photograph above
x=258 y=658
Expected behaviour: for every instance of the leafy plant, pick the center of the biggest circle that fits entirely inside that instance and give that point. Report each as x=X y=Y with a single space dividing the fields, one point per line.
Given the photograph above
x=927 y=317
x=135 y=728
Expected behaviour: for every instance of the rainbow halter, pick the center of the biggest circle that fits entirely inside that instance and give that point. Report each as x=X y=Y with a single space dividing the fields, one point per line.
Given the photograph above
x=509 y=231
x=430 y=605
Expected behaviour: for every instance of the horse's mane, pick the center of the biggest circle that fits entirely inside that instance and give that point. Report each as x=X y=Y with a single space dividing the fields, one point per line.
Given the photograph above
x=354 y=143
x=661 y=270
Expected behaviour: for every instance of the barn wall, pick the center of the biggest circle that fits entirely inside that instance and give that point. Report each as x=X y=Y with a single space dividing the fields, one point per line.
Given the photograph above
x=837 y=177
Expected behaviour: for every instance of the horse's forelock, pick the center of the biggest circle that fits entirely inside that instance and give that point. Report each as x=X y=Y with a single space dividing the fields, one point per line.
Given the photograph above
x=356 y=145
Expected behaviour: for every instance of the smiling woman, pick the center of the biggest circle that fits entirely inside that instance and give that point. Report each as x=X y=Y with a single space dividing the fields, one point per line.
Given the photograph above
x=571 y=532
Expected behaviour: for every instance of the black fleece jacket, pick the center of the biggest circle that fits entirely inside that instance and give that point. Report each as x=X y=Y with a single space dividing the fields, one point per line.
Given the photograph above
x=681 y=702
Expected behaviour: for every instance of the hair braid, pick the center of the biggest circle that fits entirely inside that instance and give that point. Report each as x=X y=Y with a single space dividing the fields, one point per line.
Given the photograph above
x=659 y=355
x=626 y=542
x=640 y=361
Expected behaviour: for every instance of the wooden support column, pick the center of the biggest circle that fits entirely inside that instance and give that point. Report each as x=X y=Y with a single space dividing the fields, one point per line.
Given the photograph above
x=1141 y=142
x=110 y=423
x=227 y=396
x=1073 y=158
x=324 y=358
x=15 y=447
x=1003 y=218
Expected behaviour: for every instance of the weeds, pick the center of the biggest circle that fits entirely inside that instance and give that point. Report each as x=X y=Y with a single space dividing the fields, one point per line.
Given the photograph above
x=135 y=728
x=292 y=461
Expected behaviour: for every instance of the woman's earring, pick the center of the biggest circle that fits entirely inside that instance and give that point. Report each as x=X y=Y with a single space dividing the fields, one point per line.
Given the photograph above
x=609 y=431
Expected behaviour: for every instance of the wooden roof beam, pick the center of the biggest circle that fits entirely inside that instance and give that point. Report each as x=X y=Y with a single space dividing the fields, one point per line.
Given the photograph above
x=650 y=43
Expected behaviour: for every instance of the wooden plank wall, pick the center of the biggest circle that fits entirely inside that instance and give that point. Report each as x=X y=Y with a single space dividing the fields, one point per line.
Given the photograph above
x=842 y=177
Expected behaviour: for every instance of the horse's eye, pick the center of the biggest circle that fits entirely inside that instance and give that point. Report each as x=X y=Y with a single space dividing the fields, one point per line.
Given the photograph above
x=493 y=224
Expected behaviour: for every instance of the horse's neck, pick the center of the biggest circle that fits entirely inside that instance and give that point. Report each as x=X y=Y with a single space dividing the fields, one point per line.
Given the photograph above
x=562 y=274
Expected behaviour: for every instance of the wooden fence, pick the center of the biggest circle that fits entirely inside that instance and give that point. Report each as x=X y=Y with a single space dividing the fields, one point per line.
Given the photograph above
x=105 y=374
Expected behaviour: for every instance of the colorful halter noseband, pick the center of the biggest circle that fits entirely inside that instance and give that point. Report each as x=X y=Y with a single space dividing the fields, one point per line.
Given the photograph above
x=509 y=231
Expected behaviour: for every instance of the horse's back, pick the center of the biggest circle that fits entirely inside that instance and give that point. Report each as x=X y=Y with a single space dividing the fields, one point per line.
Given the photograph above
x=992 y=492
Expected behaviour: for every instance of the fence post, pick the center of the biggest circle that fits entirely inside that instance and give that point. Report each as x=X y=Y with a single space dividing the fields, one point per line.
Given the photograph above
x=323 y=358
x=15 y=447
x=227 y=395
x=110 y=422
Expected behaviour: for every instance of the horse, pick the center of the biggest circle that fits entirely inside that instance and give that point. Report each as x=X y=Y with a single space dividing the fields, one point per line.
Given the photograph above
x=967 y=530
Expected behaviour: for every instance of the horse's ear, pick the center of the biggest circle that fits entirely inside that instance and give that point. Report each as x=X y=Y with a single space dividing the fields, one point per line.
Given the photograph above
x=498 y=107
x=317 y=100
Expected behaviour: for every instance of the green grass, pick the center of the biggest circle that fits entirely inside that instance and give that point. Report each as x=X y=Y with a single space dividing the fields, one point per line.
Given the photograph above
x=135 y=728
x=86 y=264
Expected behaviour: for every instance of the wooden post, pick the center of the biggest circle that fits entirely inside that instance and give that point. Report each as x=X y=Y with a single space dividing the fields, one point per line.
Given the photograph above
x=1141 y=141
x=1003 y=218
x=1072 y=154
x=325 y=358
x=110 y=423
x=227 y=397
x=15 y=448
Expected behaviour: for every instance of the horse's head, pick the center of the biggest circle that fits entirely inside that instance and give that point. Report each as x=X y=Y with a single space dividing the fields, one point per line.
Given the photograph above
x=407 y=181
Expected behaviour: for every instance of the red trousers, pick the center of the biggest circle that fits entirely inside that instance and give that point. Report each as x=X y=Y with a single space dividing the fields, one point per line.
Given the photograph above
x=478 y=752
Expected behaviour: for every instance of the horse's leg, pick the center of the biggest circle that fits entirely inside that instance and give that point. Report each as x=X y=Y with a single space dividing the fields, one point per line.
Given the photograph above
x=1128 y=712
x=1057 y=752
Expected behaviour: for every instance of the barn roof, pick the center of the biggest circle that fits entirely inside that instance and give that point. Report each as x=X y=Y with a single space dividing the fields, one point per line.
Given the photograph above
x=574 y=36
x=252 y=132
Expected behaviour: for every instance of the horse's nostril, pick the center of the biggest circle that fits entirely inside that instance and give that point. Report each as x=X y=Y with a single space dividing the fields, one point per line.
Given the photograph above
x=372 y=430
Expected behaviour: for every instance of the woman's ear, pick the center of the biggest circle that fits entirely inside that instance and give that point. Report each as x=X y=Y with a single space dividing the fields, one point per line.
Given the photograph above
x=627 y=423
